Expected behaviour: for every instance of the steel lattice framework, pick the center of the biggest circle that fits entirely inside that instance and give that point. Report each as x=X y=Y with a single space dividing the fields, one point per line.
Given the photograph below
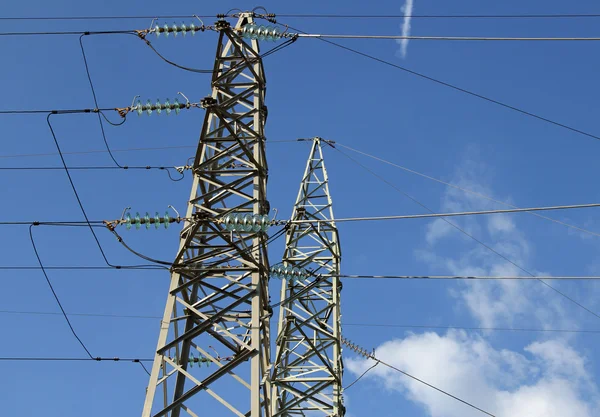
x=307 y=370
x=217 y=311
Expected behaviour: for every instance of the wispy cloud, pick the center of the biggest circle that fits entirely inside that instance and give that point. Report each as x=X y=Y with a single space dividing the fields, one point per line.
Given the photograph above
x=407 y=9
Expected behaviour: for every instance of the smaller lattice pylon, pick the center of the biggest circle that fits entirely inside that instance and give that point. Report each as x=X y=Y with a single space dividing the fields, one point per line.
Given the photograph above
x=307 y=370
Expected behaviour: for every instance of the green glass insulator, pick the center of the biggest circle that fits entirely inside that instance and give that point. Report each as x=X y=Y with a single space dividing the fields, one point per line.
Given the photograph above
x=167 y=220
x=230 y=222
x=247 y=223
x=139 y=108
x=147 y=220
x=148 y=107
x=158 y=106
x=281 y=271
x=157 y=30
x=138 y=221
x=237 y=222
x=287 y=273
x=175 y=29
x=246 y=31
x=265 y=223
x=167 y=107
x=166 y=28
x=183 y=29
x=269 y=34
x=296 y=274
x=177 y=105
x=253 y=32
x=156 y=220
x=256 y=223
x=261 y=32
x=191 y=361
x=193 y=29
x=275 y=34
x=128 y=221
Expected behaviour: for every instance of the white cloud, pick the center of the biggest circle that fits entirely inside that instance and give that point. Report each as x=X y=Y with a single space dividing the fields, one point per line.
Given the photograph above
x=407 y=9
x=548 y=379
x=492 y=302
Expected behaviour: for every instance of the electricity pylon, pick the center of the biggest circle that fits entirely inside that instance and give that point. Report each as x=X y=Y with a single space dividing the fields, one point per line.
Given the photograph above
x=217 y=312
x=307 y=370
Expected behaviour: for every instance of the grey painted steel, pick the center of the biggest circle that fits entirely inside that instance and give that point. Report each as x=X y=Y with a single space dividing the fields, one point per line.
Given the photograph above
x=307 y=368
x=217 y=306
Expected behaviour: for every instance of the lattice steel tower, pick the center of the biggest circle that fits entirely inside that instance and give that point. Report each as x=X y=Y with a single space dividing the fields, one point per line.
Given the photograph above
x=307 y=369
x=217 y=310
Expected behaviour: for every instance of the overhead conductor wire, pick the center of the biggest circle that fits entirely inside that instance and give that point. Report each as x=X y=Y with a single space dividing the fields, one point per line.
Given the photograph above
x=372 y=356
x=374 y=325
x=466 y=190
x=454 y=87
x=83 y=211
x=319 y=16
x=37 y=255
x=469 y=235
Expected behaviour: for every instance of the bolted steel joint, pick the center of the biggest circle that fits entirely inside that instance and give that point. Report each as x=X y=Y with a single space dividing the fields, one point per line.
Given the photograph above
x=208 y=102
x=222 y=25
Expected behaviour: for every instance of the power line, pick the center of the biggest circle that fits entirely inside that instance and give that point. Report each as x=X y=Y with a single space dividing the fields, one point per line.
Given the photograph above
x=83 y=268
x=455 y=87
x=95 y=359
x=464 y=232
x=475 y=277
x=76 y=32
x=451 y=214
x=371 y=356
x=374 y=325
x=464 y=16
x=62 y=111
x=159 y=148
x=447 y=38
x=466 y=190
x=37 y=255
x=106 y=17
x=361 y=376
x=89 y=77
x=314 y=16
x=375 y=218
x=495 y=329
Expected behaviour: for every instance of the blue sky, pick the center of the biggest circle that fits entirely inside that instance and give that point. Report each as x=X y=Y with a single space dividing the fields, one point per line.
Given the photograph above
x=315 y=89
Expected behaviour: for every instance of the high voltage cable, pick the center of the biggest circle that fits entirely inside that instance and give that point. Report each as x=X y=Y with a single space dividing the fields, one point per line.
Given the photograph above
x=374 y=218
x=447 y=38
x=96 y=359
x=451 y=214
x=495 y=329
x=316 y=16
x=372 y=356
x=475 y=277
x=464 y=16
x=466 y=190
x=84 y=268
x=455 y=87
x=461 y=230
x=37 y=255
x=328 y=36
x=89 y=77
x=337 y=144
x=159 y=148
x=385 y=325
